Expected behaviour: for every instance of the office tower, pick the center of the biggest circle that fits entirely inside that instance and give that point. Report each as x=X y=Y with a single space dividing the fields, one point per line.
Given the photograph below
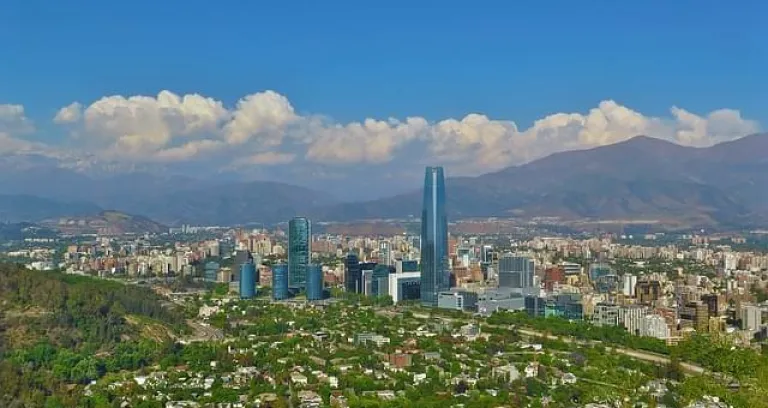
x=402 y=266
x=280 y=282
x=630 y=283
x=385 y=254
x=598 y=270
x=211 y=270
x=535 y=305
x=380 y=280
x=299 y=251
x=241 y=257
x=247 y=280
x=751 y=318
x=352 y=274
x=648 y=291
x=516 y=272
x=632 y=318
x=257 y=260
x=486 y=255
x=314 y=282
x=713 y=306
x=366 y=277
x=606 y=314
x=435 y=273
x=367 y=282
x=404 y=286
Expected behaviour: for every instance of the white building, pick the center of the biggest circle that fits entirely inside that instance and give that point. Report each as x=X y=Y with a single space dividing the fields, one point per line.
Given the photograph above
x=606 y=314
x=630 y=283
x=751 y=318
x=631 y=317
x=655 y=326
x=402 y=284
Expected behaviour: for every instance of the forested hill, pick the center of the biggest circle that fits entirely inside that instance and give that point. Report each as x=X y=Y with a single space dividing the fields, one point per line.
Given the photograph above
x=82 y=309
x=58 y=329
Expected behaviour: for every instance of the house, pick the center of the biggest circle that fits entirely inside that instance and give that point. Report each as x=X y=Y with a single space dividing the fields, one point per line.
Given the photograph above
x=386 y=395
x=568 y=378
x=532 y=370
x=508 y=372
x=309 y=399
x=298 y=378
x=431 y=355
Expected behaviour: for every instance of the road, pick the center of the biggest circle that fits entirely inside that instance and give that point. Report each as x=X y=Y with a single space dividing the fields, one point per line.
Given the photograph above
x=203 y=332
x=646 y=356
x=636 y=354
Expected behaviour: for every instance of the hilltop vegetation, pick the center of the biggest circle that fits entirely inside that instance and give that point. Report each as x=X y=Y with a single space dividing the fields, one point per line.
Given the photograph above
x=57 y=330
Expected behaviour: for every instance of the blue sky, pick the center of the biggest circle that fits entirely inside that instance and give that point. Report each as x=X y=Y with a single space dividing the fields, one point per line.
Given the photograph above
x=352 y=60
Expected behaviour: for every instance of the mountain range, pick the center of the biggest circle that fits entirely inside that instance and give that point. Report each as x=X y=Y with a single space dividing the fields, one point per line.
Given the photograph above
x=642 y=178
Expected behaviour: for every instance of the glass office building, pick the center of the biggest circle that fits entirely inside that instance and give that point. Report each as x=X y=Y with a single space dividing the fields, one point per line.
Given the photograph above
x=314 y=282
x=435 y=274
x=247 y=280
x=516 y=272
x=380 y=280
x=352 y=274
x=299 y=251
x=211 y=271
x=280 y=282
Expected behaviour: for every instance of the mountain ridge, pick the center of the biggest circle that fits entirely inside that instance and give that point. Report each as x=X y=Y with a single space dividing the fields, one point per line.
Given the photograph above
x=642 y=177
x=638 y=178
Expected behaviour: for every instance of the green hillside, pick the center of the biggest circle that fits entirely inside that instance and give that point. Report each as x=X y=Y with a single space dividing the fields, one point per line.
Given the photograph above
x=58 y=332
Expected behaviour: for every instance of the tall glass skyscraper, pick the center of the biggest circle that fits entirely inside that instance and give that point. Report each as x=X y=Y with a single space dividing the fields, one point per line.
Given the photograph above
x=299 y=251
x=435 y=276
x=280 y=282
x=315 y=282
x=248 y=280
x=352 y=274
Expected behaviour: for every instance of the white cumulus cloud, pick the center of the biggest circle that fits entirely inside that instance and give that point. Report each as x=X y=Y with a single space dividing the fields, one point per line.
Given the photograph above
x=69 y=114
x=263 y=115
x=372 y=141
x=13 y=120
x=263 y=129
x=14 y=123
x=140 y=127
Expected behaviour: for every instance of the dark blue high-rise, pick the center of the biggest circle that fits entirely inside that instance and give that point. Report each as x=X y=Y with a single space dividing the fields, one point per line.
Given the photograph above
x=435 y=276
x=314 y=282
x=352 y=274
x=299 y=251
x=280 y=282
x=248 y=280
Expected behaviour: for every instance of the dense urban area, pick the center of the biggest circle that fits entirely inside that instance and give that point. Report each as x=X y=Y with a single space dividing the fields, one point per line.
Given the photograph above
x=284 y=317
